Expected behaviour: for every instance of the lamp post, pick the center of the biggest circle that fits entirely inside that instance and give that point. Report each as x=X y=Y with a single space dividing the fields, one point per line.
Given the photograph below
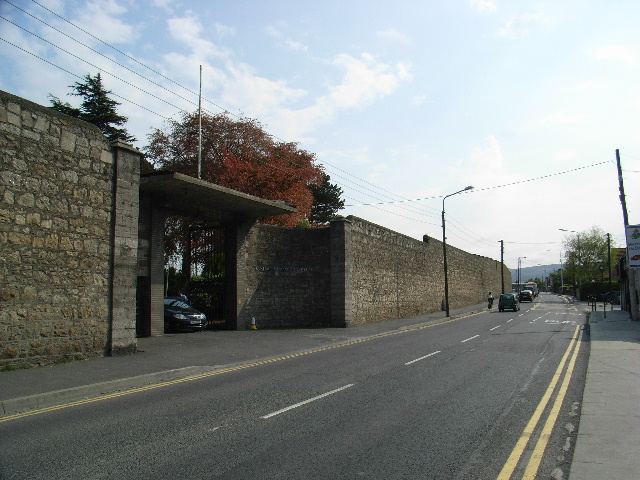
x=519 y=287
x=561 y=274
x=444 y=250
x=609 y=259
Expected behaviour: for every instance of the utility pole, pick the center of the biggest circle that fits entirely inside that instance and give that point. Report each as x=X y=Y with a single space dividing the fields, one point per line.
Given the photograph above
x=623 y=199
x=631 y=277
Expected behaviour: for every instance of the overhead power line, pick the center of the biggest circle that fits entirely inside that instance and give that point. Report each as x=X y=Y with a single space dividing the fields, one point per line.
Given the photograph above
x=406 y=206
x=81 y=78
x=225 y=110
x=475 y=190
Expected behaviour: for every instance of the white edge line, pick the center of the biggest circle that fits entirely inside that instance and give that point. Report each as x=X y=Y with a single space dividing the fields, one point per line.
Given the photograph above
x=470 y=338
x=291 y=407
x=422 y=358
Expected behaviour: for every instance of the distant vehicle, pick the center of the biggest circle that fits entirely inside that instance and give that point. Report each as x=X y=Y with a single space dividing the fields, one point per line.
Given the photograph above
x=533 y=286
x=179 y=315
x=526 y=295
x=508 y=301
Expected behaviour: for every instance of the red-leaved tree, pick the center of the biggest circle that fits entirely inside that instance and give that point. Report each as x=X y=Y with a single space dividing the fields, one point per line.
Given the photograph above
x=239 y=154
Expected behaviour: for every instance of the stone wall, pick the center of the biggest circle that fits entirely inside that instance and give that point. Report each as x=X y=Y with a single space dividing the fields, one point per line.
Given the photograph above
x=57 y=203
x=390 y=275
x=288 y=278
x=356 y=272
x=69 y=242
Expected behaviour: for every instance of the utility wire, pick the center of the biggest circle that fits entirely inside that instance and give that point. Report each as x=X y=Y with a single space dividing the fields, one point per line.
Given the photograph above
x=94 y=66
x=226 y=111
x=95 y=51
x=119 y=51
x=81 y=78
x=475 y=190
x=393 y=202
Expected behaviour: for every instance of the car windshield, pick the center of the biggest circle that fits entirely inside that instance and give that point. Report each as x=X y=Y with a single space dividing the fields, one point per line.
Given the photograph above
x=172 y=302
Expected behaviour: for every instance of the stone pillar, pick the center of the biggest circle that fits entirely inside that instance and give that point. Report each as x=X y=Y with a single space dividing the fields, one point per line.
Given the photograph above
x=236 y=297
x=124 y=221
x=156 y=270
x=341 y=272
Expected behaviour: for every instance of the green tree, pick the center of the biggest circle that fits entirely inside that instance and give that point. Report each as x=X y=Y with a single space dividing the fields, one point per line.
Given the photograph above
x=327 y=201
x=96 y=108
x=584 y=253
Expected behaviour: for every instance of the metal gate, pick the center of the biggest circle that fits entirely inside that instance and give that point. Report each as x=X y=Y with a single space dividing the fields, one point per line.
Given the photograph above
x=206 y=254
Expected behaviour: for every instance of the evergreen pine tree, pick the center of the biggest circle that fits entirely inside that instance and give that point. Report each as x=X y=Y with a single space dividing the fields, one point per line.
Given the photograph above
x=326 y=201
x=97 y=108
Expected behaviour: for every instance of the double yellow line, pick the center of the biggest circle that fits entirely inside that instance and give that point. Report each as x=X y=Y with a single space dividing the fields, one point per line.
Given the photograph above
x=540 y=446
x=16 y=416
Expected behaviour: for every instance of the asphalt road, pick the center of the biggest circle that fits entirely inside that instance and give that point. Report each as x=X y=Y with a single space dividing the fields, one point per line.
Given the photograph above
x=455 y=401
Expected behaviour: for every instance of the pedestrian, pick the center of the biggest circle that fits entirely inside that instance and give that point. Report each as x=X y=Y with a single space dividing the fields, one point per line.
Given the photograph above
x=182 y=296
x=489 y=301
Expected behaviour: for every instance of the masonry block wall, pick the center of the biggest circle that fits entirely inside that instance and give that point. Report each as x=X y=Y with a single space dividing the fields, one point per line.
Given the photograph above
x=57 y=195
x=395 y=276
x=356 y=272
x=288 y=281
x=124 y=215
x=390 y=275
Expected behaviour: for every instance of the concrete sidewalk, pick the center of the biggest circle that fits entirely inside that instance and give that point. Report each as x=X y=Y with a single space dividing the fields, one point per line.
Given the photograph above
x=609 y=434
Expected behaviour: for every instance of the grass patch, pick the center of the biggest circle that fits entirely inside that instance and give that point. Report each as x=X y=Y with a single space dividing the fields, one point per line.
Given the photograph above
x=10 y=368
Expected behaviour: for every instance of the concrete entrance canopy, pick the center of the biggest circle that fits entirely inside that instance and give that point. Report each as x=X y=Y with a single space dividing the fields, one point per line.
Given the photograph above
x=163 y=194
x=191 y=196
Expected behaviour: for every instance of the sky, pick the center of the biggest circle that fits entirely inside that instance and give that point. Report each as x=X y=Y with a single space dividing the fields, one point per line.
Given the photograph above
x=403 y=102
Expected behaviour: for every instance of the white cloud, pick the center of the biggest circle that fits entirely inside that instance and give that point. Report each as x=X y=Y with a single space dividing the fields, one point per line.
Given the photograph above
x=224 y=31
x=522 y=25
x=484 y=5
x=99 y=16
x=188 y=30
x=588 y=85
x=487 y=158
x=419 y=100
x=262 y=94
x=485 y=166
x=365 y=80
x=614 y=52
x=287 y=42
x=393 y=36
x=564 y=155
x=164 y=4
x=564 y=118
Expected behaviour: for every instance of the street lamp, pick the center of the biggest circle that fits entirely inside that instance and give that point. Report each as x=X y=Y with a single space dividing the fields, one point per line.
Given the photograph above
x=519 y=287
x=444 y=250
x=561 y=274
x=609 y=258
